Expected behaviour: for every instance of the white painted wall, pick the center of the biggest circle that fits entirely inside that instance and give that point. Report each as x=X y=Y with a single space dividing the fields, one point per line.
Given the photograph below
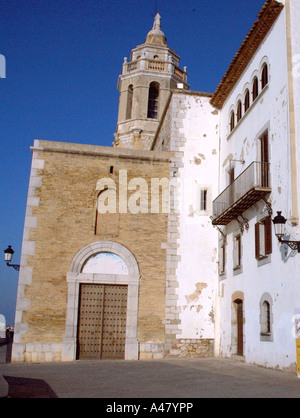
x=196 y=122
x=280 y=275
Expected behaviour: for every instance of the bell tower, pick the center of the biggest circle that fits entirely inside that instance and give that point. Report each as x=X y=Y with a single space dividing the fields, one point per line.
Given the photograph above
x=145 y=86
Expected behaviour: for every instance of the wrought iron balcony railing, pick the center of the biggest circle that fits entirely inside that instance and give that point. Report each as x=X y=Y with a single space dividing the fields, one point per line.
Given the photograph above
x=249 y=187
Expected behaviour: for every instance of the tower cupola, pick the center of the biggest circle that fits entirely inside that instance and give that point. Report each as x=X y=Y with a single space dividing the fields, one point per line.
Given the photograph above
x=156 y=35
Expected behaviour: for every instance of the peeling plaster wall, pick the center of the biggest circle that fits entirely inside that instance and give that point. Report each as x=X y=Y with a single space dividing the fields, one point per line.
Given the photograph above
x=197 y=270
x=278 y=275
x=190 y=128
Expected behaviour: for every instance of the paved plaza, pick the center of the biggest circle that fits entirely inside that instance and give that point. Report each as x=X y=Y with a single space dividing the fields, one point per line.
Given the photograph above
x=156 y=379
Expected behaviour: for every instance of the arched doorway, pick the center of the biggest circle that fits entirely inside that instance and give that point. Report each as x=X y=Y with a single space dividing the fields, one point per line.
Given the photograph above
x=101 y=320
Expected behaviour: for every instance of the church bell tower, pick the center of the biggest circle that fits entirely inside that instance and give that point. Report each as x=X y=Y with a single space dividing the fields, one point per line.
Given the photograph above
x=145 y=86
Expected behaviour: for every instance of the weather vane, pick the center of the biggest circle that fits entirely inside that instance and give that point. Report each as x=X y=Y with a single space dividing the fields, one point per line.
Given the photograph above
x=155 y=11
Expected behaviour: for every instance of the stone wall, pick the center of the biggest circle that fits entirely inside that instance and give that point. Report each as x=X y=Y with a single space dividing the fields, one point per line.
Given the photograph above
x=60 y=221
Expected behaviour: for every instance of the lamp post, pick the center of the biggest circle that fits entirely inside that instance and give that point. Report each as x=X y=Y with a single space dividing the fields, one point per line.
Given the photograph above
x=279 y=224
x=8 y=255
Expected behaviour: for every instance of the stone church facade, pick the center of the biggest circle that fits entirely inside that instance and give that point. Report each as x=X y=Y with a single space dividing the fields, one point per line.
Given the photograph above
x=160 y=246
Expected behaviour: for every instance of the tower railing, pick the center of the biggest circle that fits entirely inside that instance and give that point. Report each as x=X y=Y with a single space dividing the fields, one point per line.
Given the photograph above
x=154 y=65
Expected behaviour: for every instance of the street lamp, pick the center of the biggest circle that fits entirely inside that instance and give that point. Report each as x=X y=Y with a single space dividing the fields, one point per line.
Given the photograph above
x=8 y=255
x=279 y=224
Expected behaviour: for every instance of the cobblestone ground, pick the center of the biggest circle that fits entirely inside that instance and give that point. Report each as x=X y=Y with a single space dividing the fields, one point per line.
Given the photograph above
x=193 y=378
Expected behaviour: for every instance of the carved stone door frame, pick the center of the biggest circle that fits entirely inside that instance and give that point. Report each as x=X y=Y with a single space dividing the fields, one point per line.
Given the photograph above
x=75 y=277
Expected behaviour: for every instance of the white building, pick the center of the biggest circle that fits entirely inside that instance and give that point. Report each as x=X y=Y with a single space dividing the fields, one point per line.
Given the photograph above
x=228 y=286
x=190 y=129
x=243 y=141
x=258 y=99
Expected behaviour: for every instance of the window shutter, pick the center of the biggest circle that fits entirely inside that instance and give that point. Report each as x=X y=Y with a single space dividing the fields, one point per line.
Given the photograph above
x=257 y=240
x=203 y=199
x=221 y=260
x=239 y=247
x=237 y=252
x=268 y=235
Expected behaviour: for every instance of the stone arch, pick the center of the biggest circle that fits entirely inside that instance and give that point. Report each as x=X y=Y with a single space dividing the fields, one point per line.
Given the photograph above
x=75 y=277
x=105 y=247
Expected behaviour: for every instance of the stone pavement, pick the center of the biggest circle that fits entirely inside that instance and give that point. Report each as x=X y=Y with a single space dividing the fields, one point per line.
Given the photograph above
x=174 y=378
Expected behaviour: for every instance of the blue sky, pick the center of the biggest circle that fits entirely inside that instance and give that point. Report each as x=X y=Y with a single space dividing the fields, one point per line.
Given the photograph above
x=63 y=59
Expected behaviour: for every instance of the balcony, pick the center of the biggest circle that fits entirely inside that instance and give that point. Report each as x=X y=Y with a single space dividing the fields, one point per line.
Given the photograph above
x=248 y=188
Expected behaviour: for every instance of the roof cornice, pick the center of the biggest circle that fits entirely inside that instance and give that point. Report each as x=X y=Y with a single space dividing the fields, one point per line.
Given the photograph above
x=266 y=18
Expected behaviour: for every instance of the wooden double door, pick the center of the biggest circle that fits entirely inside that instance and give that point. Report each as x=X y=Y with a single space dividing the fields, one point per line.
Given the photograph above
x=102 y=321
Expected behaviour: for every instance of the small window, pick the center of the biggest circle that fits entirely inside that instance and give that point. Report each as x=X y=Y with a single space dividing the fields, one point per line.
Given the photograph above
x=237 y=252
x=263 y=238
x=203 y=199
x=222 y=259
x=232 y=121
x=129 y=102
x=239 y=111
x=264 y=76
x=266 y=318
x=247 y=101
x=255 y=88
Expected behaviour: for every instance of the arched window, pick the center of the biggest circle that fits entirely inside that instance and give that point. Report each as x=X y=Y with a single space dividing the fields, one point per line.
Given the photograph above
x=239 y=111
x=107 y=216
x=232 y=121
x=264 y=76
x=247 y=101
x=153 y=101
x=255 y=88
x=266 y=318
x=129 y=102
